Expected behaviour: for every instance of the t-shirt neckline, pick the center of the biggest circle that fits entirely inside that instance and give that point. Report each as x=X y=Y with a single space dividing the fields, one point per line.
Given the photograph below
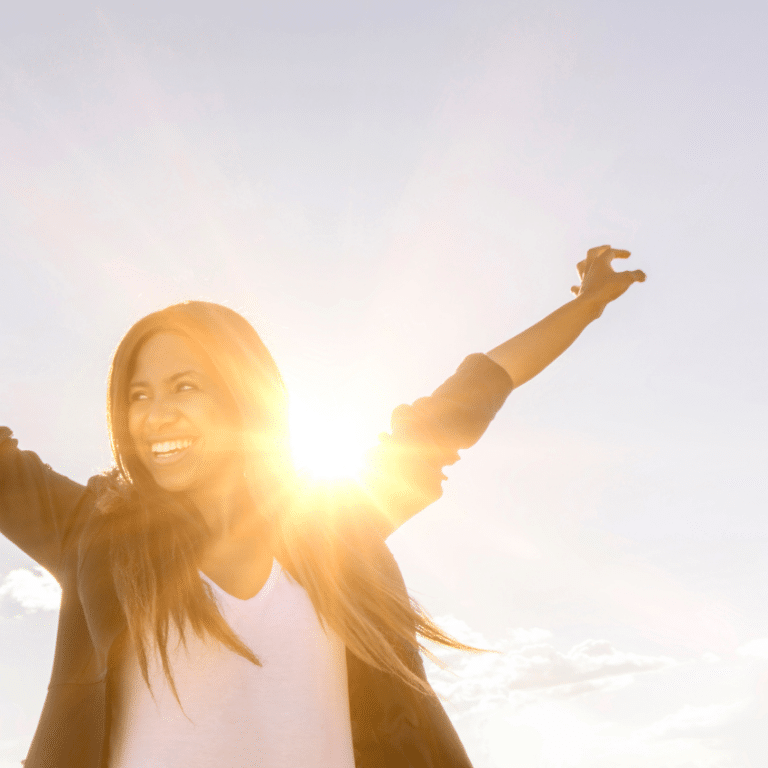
x=266 y=588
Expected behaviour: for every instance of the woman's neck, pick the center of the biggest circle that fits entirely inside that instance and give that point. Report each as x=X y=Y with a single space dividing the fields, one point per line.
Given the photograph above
x=239 y=551
x=226 y=506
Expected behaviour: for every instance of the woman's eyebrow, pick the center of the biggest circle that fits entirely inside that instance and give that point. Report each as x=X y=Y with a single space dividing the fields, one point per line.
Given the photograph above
x=170 y=379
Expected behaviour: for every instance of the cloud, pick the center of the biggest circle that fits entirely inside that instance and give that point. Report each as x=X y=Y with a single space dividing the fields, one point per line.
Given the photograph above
x=37 y=591
x=541 y=666
x=522 y=705
x=524 y=662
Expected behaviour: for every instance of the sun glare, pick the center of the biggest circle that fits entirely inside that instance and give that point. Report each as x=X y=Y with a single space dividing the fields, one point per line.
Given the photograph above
x=326 y=444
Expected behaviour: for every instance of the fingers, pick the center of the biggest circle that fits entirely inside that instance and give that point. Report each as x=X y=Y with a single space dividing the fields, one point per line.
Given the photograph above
x=609 y=254
x=627 y=278
x=585 y=265
x=605 y=254
x=635 y=276
x=593 y=253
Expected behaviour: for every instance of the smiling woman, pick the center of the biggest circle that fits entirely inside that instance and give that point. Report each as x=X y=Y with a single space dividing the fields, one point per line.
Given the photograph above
x=217 y=609
x=183 y=424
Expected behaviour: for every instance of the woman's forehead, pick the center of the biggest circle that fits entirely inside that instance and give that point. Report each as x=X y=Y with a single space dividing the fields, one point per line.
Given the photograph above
x=166 y=354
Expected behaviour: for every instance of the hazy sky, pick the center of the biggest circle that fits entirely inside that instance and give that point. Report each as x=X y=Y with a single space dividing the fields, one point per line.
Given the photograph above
x=382 y=189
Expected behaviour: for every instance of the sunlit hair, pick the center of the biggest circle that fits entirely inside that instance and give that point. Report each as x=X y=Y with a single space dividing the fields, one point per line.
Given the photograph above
x=320 y=535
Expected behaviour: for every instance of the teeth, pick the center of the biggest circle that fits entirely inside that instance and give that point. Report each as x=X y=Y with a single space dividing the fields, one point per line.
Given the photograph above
x=170 y=446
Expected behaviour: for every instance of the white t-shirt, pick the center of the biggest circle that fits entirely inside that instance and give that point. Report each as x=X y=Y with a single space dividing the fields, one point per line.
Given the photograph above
x=292 y=712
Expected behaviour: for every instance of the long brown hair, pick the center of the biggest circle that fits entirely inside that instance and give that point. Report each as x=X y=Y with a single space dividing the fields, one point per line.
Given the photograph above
x=320 y=535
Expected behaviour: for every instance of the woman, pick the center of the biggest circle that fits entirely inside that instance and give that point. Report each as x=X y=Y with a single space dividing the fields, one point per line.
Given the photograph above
x=215 y=610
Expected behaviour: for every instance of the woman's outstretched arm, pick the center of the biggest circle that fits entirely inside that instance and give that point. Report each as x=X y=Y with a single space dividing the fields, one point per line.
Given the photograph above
x=405 y=471
x=528 y=353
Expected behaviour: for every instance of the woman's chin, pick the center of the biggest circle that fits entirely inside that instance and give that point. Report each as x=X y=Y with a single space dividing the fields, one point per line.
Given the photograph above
x=196 y=478
x=173 y=482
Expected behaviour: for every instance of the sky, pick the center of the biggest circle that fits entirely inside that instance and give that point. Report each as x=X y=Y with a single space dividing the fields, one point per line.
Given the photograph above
x=382 y=189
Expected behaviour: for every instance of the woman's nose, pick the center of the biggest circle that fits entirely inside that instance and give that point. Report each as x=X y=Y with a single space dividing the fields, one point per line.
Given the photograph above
x=160 y=414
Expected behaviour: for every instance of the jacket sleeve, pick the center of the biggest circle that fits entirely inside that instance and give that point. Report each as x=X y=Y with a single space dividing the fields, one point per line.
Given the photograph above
x=404 y=472
x=39 y=509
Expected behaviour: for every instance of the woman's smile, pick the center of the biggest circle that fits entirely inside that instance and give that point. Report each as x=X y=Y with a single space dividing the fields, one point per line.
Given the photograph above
x=170 y=451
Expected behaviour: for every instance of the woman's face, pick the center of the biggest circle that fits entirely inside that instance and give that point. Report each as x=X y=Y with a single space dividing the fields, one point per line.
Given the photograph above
x=181 y=420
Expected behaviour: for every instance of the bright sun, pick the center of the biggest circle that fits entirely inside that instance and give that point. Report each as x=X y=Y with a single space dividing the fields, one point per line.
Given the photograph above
x=326 y=444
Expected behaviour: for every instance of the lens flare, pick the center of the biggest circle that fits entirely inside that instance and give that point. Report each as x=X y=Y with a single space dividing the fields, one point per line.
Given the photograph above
x=325 y=443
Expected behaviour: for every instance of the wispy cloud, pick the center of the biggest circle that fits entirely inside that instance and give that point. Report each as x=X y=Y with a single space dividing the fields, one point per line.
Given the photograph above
x=525 y=661
x=521 y=705
x=34 y=591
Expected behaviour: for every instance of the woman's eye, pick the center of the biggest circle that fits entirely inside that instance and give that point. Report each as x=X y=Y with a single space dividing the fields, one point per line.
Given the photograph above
x=134 y=396
x=185 y=386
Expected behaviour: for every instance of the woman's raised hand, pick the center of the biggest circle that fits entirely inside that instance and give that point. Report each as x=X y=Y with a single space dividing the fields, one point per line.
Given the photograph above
x=600 y=284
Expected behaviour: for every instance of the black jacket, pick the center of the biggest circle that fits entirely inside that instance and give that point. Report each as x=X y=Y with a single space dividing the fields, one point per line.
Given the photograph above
x=52 y=519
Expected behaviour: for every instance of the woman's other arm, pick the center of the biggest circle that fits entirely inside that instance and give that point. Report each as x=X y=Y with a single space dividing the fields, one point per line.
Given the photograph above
x=528 y=353
x=38 y=507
